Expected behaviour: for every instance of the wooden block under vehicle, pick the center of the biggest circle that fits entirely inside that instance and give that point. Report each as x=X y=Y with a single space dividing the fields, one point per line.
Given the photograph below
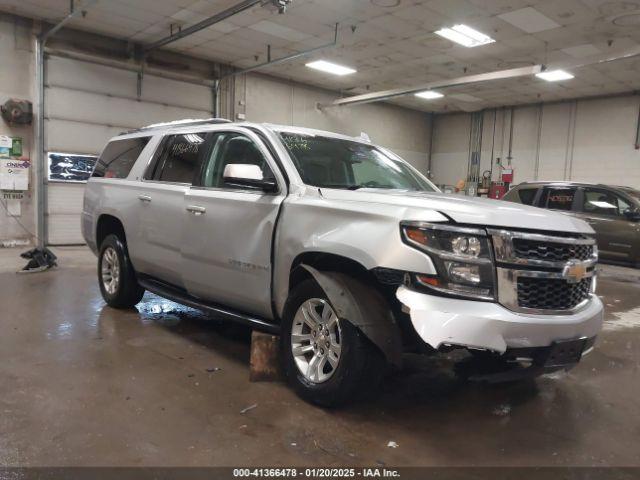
x=264 y=363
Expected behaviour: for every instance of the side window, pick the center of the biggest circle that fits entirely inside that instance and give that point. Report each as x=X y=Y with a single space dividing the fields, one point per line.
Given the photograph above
x=527 y=195
x=558 y=198
x=601 y=202
x=178 y=159
x=118 y=157
x=232 y=148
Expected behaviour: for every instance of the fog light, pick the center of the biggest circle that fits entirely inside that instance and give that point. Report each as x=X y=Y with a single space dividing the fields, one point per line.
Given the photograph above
x=463 y=272
x=427 y=280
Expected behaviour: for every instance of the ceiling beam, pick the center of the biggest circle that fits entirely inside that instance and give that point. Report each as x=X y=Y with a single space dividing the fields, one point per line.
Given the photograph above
x=451 y=82
x=207 y=22
x=597 y=59
x=484 y=77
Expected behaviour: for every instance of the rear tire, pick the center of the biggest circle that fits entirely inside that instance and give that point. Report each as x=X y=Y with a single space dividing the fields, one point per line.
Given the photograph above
x=343 y=365
x=116 y=276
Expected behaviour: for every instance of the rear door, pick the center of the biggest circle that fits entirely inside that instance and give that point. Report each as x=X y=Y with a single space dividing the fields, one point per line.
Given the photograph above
x=160 y=205
x=110 y=186
x=604 y=210
x=227 y=231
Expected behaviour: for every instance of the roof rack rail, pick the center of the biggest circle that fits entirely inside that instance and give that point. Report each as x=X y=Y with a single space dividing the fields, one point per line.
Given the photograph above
x=187 y=122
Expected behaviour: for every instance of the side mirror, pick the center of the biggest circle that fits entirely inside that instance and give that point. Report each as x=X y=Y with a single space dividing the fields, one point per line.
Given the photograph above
x=632 y=214
x=248 y=176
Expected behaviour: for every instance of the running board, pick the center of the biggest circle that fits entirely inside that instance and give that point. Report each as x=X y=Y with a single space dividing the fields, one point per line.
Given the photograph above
x=180 y=296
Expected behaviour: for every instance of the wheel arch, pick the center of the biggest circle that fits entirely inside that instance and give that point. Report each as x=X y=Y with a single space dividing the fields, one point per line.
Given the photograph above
x=324 y=261
x=354 y=292
x=108 y=224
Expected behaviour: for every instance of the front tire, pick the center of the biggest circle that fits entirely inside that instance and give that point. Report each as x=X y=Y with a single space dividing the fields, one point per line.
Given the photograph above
x=116 y=276
x=327 y=360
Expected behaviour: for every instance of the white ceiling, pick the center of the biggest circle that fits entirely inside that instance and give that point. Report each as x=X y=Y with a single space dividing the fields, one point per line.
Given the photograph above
x=391 y=42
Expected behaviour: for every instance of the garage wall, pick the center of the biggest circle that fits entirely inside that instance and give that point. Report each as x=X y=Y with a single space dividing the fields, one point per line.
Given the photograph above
x=16 y=81
x=450 y=152
x=402 y=130
x=591 y=140
x=85 y=105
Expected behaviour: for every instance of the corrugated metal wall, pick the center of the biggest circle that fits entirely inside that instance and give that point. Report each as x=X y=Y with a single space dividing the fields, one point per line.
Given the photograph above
x=85 y=105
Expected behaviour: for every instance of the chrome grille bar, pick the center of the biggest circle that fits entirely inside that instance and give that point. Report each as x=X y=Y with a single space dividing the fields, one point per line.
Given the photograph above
x=505 y=251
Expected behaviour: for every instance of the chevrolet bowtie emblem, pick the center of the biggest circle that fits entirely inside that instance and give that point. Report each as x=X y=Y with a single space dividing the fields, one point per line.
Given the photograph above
x=574 y=271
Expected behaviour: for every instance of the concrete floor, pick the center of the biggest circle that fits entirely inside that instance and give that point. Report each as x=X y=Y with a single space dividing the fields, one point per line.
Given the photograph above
x=83 y=384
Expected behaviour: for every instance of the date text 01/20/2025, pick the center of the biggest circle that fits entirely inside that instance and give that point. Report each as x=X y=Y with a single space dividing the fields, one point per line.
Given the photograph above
x=316 y=472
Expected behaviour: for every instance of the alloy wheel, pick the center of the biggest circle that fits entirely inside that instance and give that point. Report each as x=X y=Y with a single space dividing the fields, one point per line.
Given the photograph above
x=110 y=270
x=316 y=340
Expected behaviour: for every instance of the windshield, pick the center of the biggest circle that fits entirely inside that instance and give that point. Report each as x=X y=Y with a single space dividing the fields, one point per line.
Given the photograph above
x=334 y=163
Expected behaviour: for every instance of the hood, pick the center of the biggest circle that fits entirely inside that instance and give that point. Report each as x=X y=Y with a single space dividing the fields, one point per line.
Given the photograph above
x=468 y=210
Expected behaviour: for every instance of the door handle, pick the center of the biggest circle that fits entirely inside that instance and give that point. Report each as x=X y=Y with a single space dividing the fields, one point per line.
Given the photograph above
x=144 y=198
x=196 y=210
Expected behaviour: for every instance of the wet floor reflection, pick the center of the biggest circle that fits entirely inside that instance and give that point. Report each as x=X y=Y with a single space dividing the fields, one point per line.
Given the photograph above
x=429 y=384
x=84 y=384
x=230 y=340
x=426 y=407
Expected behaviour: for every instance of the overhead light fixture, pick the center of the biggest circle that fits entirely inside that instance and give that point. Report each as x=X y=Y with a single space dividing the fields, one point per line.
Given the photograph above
x=429 y=94
x=554 y=75
x=465 y=36
x=329 y=67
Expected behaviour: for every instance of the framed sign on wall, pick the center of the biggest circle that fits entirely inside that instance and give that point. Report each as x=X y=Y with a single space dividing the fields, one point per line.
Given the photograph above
x=70 y=167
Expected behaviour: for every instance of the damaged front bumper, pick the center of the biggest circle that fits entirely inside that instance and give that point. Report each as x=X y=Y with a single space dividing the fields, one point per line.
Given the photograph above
x=519 y=363
x=441 y=321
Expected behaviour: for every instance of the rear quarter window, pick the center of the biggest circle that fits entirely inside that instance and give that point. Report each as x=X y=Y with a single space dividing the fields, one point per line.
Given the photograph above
x=525 y=196
x=119 y=156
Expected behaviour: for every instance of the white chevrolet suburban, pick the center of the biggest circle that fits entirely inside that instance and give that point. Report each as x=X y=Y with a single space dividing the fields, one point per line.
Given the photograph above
x=342 y=248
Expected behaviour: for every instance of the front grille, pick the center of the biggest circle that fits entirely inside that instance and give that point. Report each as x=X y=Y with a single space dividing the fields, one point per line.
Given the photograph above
x=535 y=270
x=553 y=252
x=551 y=294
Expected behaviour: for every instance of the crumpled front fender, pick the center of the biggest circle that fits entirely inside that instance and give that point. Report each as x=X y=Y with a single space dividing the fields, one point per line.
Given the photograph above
x=365 y=308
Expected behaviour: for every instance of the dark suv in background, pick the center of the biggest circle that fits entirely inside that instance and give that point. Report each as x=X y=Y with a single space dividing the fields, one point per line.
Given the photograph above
x=613 y=212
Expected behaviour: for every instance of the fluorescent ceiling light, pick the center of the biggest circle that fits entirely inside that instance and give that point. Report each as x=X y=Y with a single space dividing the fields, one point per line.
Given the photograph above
x=554 y=75
x=465 y=36
x=429 y=94
x=329 y=67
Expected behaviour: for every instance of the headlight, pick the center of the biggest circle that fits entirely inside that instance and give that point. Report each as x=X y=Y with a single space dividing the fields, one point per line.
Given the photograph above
x=462 y=257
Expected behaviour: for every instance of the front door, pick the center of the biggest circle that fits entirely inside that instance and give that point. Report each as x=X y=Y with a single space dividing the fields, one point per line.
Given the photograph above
x=227 y=231
x=604 y=211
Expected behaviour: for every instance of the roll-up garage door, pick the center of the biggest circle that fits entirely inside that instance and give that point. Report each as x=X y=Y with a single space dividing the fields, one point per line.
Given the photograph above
x=86 y=105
